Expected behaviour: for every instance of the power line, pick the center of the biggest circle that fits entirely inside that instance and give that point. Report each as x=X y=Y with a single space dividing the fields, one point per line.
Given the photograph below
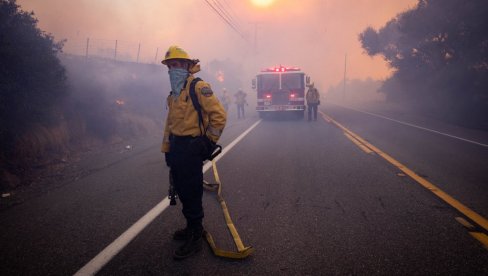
x=228 y=15
x=239 y=22
x=224 y=17
x=226 y=20
x=224 y=13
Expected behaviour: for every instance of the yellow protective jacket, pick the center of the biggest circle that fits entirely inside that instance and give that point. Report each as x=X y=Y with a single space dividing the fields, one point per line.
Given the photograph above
x=240 y=97
x=313 y=96
x=182 y=118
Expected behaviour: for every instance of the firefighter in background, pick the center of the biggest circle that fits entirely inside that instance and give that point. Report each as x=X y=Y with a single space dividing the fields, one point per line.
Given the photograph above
x=184 y=142
x=240 y=102
x=225 y=99
x=313 y=100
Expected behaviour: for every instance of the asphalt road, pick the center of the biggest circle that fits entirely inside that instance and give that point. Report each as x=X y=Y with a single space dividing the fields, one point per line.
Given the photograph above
x=303 y=195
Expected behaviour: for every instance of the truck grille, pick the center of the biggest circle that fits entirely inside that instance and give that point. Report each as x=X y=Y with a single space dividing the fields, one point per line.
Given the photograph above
x=280 y=98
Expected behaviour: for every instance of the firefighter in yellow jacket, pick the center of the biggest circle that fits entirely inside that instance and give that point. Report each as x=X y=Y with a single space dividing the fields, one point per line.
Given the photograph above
x=187 y=142
x=313 y=100
x=240 y=102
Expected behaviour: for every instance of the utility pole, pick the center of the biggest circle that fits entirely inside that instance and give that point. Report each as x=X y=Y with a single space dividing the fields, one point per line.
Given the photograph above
x=255 y=45
x=138 y=51
x=156 y=57
x=115 y=52
x=344 y=91
x=255 y=38
x=254 y=51
x=87 y=46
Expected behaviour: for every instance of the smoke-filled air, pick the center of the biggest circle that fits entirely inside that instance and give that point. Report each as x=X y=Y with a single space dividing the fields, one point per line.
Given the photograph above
x=348 y=137
x=80 y=74
x=312 y=34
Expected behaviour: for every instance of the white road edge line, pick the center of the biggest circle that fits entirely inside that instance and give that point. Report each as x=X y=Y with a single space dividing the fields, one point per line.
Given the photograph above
x=93 y=266
x=208 y=165
x=419 y=127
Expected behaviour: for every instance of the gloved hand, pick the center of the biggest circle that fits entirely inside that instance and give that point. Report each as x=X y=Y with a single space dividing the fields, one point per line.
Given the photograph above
x=209 y=147
x=167 y=159
x=203 y=146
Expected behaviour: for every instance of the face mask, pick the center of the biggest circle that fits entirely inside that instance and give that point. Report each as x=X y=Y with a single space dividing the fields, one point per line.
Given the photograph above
x=177 y=77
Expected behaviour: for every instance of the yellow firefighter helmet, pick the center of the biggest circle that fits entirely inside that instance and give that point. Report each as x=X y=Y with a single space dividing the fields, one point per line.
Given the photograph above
x=175 y=52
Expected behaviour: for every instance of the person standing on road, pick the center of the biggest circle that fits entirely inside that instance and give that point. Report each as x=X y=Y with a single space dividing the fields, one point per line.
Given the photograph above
x=225 y=99
x=187 y=142
x=313 y=100
x=240 y=102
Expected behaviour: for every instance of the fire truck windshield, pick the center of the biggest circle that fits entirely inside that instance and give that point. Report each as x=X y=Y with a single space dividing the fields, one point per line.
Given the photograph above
x=268 y=82
x=292 y=81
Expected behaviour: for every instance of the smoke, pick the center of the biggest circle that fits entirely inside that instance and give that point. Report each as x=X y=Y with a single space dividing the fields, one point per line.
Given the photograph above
x=311 y=34
x=114 y=99
x=356 y=92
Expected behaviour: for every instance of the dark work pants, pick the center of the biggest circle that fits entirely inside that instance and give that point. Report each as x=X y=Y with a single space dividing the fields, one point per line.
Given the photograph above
x=312 y=109
x=186 y=167
x=240 y=111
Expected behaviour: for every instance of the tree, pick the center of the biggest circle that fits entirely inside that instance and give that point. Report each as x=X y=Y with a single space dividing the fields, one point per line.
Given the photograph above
x=32 y=79
x=438 y=51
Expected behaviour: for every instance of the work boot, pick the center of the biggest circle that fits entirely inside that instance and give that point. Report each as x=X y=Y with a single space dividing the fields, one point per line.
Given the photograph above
x=191 y=246
x=182 y=234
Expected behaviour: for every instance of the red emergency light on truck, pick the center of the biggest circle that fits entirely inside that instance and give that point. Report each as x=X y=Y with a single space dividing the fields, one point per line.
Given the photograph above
x=280 y=90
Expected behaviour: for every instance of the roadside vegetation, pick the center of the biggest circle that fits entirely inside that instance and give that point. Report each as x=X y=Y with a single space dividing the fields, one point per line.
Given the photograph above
x=32 y=86
x=439 y=53
x=54 y=105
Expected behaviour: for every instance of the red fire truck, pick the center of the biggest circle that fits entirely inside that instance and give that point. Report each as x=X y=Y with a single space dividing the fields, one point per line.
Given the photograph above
x=280 y=90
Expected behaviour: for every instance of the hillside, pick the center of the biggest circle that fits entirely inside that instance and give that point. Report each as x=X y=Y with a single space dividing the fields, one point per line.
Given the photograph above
x=107 y=102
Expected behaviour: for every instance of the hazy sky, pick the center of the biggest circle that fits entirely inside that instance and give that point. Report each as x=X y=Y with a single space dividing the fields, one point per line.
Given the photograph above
x=312 y=34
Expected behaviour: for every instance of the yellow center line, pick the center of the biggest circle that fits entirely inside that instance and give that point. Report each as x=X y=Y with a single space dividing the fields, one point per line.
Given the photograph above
x=483 y=238
x=475 y=217
x=361 y=146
